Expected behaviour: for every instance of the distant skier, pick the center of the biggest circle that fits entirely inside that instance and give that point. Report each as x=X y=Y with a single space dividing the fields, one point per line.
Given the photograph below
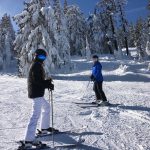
x=36 y=88
x=97 y=78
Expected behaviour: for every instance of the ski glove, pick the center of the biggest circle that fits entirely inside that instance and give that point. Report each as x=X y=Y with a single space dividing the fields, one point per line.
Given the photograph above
x=92 y=78
x=51 y=87
x=50 y=79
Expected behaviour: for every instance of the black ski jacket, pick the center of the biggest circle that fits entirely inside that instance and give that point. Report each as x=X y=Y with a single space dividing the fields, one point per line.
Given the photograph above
x=36 y=80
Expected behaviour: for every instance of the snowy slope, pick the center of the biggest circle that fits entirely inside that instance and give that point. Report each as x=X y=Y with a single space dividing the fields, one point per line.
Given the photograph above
x=116 y=128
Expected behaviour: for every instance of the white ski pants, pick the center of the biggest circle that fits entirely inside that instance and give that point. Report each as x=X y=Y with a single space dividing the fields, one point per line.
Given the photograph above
x=40 y=108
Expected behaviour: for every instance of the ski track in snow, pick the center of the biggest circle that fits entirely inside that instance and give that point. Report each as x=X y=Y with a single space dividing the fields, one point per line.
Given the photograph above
x=126 y=127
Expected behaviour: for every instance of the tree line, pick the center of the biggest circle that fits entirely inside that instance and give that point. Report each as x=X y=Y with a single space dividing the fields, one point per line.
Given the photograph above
x=64 y=31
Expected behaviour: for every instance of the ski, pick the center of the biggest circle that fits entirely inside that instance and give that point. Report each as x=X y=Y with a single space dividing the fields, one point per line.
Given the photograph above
x=98 y=105
x=90 y=103
x=38 y=147
x=66 y=146
x=85 y=103
x=55 y=133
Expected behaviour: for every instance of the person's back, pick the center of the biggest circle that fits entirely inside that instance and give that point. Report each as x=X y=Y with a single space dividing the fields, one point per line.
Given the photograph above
x=35 y=80
x=97 y=71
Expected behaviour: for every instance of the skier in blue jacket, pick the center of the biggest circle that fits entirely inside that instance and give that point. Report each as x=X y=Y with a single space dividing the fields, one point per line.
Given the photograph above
x=97 y=78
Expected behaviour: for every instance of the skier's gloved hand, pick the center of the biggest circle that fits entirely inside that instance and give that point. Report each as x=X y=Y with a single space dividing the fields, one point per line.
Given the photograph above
x=92 y=78
x=51 y=87
x=50 y=79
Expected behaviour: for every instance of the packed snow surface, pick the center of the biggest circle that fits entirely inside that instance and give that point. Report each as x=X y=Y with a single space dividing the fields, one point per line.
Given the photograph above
x=123 y=127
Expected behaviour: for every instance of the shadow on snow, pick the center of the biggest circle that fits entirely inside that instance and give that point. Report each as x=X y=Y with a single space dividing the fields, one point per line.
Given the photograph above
x=137 y=108
x=65 y=139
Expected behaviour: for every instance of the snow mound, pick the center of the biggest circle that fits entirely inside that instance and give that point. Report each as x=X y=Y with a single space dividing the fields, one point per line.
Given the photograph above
x=122 y=69
x=95 y=114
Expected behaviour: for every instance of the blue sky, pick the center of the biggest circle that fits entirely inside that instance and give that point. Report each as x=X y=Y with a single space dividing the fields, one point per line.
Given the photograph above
x=134 y=8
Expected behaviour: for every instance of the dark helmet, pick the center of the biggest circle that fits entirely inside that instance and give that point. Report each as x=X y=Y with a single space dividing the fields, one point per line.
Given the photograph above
x=40 y=52
x=95 y=57
x=40 y=55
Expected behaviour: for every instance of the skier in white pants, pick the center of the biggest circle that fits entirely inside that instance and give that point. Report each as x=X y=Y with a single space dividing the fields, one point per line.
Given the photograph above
x=36 y=88
x=39 y=105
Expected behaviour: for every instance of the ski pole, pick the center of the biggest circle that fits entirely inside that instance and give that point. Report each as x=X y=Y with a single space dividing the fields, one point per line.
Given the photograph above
x=88 y=84
x=52 y=111
x=86 y=89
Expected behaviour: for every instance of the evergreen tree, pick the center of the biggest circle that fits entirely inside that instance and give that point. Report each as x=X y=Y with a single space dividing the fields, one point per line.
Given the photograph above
x=7 y=36
x=131 y=32
x=8 y=52
x=107 y=11
x=140 y=38
x=1 y=48
x=148 y=5
x=91 y=25
x=65 y=6
x=94 y=34
x=61 y=33
x=120 y=4
x=88 y=52
x=37 y=25
x=148 y=35
x=57 y=12
x=77 y=30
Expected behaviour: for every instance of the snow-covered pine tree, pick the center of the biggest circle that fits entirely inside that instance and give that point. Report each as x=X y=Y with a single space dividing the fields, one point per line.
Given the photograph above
x=61 y=33
x=1 y=48
x=99 y=30
x=145 y=36
x=148 y=41
x=120 y=5
x=148 y=5
x=37 y=25
x=76 y=25
x=7 y=36
x=65 y=6
x=148 y=36
x=88 y=51
x=107 y=10
x=90 y=33
x=94 y=33
x=106 y=35
x=131 y=32
x=8 y=52
x=57 y=12
x=140 y=38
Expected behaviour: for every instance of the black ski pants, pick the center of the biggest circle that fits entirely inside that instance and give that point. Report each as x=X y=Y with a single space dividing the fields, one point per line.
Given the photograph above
x=98 y=89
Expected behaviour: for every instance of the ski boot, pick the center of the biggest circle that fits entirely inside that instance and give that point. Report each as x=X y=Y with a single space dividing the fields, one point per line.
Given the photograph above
x=47 y=131
x=28 y=145
x=97 y=102
x=24 y=145
x=104 y=103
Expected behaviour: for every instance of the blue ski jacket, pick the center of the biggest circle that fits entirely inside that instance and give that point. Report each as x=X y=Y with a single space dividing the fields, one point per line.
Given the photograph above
x=97 y=72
